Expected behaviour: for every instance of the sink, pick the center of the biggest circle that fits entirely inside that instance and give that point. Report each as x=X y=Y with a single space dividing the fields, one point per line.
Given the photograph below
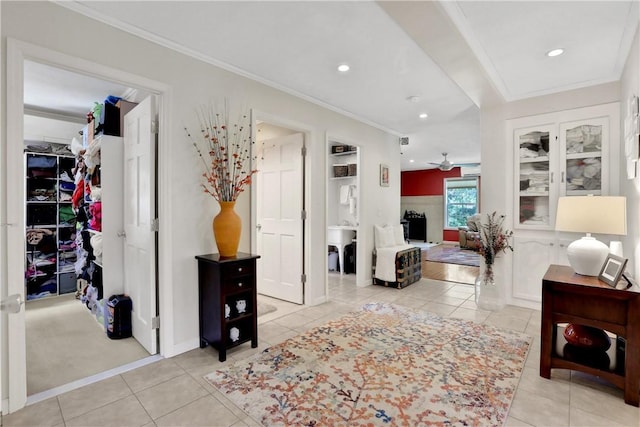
x=339 y=236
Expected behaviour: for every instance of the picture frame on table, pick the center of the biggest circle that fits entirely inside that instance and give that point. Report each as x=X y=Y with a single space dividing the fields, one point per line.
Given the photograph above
x=384 y=175
x=612 y=269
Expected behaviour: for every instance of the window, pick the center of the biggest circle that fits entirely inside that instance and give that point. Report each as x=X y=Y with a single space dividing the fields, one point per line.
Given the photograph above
x=460 y=200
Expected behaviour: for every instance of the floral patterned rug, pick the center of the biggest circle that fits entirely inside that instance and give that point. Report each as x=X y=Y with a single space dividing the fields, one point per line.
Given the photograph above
x=382 y=365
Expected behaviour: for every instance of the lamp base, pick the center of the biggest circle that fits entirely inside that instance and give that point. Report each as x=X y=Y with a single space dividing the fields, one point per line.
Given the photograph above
x=587 y=255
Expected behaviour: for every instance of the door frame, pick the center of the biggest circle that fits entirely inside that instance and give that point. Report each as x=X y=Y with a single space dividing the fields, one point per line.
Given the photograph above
x=307 y=132
x=13 y=282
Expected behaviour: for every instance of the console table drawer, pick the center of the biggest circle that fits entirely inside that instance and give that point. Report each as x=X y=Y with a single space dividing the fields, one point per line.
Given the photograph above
x=236 y=269
x=237 y=284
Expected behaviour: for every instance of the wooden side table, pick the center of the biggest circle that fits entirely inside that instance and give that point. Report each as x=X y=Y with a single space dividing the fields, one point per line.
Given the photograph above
x=568 y=297
x=228 y=308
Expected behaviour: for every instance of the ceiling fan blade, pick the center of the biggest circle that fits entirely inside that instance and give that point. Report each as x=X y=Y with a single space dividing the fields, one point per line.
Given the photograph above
x=467 y=164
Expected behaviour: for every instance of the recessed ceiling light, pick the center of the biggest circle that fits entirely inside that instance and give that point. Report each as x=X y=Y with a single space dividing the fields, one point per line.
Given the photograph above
x=411 y=161
x=343 y=68
x=555 y=52
x=423 y=115
x=413 y=98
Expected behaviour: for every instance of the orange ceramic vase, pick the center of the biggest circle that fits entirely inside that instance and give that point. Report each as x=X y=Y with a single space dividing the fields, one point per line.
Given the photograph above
x=226 y=230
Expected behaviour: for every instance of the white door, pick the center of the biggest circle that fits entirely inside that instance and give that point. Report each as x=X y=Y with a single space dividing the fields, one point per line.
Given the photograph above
x=139 y=219
x=279 y=218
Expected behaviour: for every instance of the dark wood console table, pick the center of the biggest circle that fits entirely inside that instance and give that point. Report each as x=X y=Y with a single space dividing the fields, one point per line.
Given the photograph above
x=228 y=309
x=585 y=300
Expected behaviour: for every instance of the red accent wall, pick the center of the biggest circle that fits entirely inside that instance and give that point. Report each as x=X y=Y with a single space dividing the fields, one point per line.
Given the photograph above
x=428 y=182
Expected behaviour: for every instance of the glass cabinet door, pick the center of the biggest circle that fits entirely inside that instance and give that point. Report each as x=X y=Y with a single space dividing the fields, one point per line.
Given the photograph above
x=583 y=145
x=535 y=165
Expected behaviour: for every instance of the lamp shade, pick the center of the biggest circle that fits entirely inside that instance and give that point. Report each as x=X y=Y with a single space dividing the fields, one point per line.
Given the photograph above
x=590 y=214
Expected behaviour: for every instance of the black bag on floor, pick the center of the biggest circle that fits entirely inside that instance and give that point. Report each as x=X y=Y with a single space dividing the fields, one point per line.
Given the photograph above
x=118 y=317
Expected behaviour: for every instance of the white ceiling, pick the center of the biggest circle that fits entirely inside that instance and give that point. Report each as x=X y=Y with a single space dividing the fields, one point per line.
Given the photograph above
x=453 y=55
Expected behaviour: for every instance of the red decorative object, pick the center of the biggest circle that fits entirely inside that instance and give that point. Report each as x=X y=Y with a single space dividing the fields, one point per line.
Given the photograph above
x=587 y=337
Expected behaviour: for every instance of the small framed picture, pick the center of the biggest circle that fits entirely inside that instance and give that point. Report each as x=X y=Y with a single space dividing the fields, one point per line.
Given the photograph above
x=384 y=175
x=612 y=269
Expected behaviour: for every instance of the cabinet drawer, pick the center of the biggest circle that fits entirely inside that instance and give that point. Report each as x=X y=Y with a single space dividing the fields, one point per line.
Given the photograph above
x=237 y=284
x=236 y=269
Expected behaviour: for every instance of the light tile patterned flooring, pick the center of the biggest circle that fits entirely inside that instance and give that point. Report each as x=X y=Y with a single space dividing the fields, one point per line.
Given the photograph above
x=172 y=392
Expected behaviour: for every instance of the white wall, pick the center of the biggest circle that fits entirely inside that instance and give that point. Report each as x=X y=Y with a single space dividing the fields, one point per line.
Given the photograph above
x=194 y=83
x=630 y=85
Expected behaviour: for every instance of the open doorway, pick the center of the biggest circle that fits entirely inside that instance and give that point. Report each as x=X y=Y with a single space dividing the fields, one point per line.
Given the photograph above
x=280 y=212
x=19 y=54
x=74 y=203
x=343 y=197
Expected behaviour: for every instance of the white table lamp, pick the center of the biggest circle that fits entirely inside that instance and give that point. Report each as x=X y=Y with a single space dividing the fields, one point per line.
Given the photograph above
x=590 y=214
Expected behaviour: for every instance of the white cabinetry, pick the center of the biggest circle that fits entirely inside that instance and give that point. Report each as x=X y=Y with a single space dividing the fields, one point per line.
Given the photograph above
x=532 y=257
x=112 y=158
x=560 y=155
x=566 y=153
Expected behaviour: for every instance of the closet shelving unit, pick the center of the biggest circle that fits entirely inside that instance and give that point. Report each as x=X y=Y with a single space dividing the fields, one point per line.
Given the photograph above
x=50 y=225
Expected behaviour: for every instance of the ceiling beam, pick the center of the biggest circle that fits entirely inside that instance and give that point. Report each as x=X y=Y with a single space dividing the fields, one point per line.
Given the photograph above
x=429 y=25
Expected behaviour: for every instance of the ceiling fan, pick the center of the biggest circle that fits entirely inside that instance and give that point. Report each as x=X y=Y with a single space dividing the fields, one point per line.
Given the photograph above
x=446 y=165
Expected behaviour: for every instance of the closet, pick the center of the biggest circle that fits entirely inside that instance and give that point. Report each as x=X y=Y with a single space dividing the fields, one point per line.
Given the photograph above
x=74 y=212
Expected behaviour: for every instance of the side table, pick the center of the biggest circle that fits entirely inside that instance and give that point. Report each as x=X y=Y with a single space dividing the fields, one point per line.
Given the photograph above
x=227 y=302
x=568 y=297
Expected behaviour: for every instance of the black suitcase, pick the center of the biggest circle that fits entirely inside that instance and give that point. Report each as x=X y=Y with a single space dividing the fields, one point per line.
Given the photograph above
x=119 y=317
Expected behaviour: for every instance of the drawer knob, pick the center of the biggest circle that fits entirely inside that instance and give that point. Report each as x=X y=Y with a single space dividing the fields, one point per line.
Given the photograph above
x=240 y=284
x=239 y=269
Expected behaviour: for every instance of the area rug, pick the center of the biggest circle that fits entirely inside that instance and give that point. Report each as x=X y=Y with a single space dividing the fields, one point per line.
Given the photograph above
x=451 y=254
x=382 y=365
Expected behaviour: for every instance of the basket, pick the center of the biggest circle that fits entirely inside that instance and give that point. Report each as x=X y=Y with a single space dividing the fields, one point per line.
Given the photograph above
x=352 y=169
x=337 y=149
x=340 y=170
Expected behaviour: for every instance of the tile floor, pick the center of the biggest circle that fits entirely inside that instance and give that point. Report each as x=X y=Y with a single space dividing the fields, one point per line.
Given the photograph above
x=172 y=392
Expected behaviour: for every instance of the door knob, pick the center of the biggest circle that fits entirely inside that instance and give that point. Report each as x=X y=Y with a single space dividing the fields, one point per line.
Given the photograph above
x=12 y=303
x=258 y=227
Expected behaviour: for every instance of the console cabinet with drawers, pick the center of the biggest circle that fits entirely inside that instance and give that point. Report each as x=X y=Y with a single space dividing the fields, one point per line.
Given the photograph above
x=228 y=314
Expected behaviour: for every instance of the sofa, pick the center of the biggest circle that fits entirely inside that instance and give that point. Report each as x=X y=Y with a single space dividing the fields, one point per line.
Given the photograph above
x=395 y=264
x=469 y=235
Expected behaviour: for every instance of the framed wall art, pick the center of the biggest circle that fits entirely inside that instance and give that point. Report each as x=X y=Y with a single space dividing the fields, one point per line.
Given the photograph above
x=384 y=175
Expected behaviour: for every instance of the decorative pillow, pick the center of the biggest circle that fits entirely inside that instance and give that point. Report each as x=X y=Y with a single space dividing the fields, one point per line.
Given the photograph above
x=383 y=237
x=398 y=235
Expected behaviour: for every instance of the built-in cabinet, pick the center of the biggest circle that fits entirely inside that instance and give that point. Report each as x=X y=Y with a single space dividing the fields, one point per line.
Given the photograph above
x=566 y=153
x=50 y=225
x=532 y=257
x=559 y=159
